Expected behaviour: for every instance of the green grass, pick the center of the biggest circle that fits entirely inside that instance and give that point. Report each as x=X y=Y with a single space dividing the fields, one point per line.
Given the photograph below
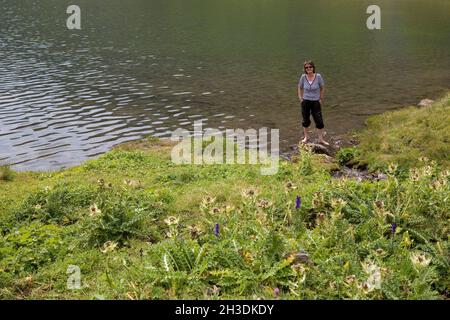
x=140 y=227
x=6 y=173
x=405 y=135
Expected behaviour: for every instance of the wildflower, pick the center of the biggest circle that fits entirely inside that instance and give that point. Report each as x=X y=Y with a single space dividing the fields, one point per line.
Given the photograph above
x=228 y=208
x=101 y=182
x=414 y=174
x=445 y=173
x=215 y=210
x=94 y=210
x=423 y=159
x=290 y=186
x=380 y=251
x=276 y=292
x=216 y=229
x=215 y=290
x=208 y=200
x=392 y=168
x=47 y=188
x=37 y=207
x=132 y=183
x=250 y=193
x=320 y=217
x=298 y=202
x=317 y=199
x=338 y=203
x=263 y=203
x=171 y=220
x=248 y=256
x=393 y=227
x=347 y=265
x=427 y=171
x=170 y=234
x=406 y=240
x=379 y=204
x=350 y=279
x=108 y=246
x=419 y=259
x=194 y=231
x=374 y=279
x=436 y=185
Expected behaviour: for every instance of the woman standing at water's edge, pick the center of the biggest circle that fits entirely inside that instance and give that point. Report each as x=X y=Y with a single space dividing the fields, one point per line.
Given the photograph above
x=310 y=92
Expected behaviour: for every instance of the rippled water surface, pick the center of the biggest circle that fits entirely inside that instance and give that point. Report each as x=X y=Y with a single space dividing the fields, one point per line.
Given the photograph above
x=143 y=67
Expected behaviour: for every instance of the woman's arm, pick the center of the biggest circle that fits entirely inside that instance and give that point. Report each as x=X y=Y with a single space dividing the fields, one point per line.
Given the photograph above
x=300 y=94
x=322 y=92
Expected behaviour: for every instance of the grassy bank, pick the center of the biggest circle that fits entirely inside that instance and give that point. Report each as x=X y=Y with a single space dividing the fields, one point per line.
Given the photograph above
x=140 y=227
x=404 y=136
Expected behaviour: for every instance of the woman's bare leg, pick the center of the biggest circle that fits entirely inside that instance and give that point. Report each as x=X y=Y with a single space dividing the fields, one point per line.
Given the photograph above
x=321 y=135
x=306 y=135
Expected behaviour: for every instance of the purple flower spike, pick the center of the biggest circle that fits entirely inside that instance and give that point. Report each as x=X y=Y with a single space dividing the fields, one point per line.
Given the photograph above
x=298 y=202
x=394 y=227
x=276 y=292
x=216 y=229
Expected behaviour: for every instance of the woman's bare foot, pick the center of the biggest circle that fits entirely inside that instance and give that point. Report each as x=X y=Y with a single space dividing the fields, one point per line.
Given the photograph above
x=305 y=140
x=324 y=142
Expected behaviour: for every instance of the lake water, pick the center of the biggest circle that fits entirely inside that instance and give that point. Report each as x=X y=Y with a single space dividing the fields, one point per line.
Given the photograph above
x=142 y=67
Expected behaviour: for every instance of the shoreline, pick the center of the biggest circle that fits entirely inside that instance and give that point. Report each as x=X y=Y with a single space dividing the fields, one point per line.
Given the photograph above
x=337 y=142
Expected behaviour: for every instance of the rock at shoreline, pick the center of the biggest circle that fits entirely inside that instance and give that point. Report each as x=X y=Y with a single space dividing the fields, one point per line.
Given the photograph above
x=425 y=103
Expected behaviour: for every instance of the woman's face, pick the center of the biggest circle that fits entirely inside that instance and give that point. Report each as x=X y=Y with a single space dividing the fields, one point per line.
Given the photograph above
x=309 y=69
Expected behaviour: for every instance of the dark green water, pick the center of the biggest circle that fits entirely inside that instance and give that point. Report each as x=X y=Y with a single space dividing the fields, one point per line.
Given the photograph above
x=149 y=66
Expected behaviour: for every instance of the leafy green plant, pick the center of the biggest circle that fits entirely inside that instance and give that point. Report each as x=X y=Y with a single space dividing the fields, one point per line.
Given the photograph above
x=6 y=173
x=30 y=247
x=56 y=205
x=120 y=216
x=345 y=155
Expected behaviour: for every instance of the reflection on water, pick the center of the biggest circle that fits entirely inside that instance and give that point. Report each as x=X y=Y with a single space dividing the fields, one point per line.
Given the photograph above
x=147 y=67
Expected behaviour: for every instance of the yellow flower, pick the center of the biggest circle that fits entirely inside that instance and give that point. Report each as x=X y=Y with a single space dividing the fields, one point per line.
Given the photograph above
x=263 y=203
x=108 y=246
x=208 y=200
x=94 y=210
x=171 y=220
x=248 y=256
x=338 y=203
x=350 y=279
x=132 y=183
x=215 y=210
x=445 y=173
x=317 y=199
x=414 y=174
x=427 y=171
x=249 y=193
x=420 y=259
x=347 y=265
x=290 y=186
x=101 y=182
x=228 y=208
x=374 y=279
x=392 y=168
x=195 y=231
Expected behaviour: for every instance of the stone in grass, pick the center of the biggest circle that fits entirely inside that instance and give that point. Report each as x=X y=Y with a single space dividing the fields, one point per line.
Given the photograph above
x=300 y=257
x=425 y=103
